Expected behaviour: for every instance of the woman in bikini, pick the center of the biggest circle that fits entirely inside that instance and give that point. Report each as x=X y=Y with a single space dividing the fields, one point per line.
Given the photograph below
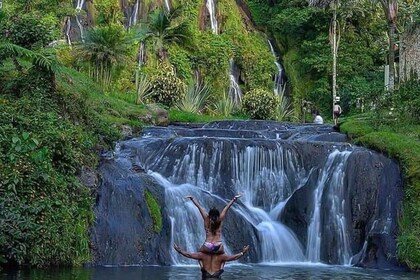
x=213 y=222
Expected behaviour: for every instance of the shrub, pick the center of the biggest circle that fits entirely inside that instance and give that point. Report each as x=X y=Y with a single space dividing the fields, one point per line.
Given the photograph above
x=167 y=88
x=260 y=104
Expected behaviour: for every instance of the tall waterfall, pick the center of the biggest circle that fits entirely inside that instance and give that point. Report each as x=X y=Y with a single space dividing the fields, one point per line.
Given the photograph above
x=211 y=7
x=79 y=7
x=168 y=5
x=67 y=30
x=234 y=90
x=134 y=15
x=141 y=57
x=278 y=78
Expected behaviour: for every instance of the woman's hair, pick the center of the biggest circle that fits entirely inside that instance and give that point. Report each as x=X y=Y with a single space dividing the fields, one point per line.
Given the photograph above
x=214 y=215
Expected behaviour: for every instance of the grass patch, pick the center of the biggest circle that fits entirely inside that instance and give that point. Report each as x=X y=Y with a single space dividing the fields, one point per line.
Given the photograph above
x=179 y=116
x=154 y=210
x=401 y=143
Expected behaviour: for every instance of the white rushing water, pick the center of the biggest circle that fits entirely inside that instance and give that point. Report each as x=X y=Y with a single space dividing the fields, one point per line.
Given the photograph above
x=267 y=178
x=67 y=32
x=234 y=90
x=79 y=7
x=167 y=5
x=278 y=80
x=211 y=7
x=134 y=15
x=330 y=183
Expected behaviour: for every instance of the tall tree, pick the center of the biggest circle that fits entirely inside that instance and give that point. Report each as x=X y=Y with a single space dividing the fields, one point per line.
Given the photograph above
x=334 y=36
x=390 y=8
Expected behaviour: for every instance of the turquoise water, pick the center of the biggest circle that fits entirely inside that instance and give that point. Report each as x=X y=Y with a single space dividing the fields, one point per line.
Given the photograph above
x=247 y=272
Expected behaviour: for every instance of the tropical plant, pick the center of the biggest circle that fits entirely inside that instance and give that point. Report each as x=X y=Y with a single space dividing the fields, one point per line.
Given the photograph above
x=164 y=28
x=143 y=89
x=195 y=98
x=223 y=106
x=260 y=104
x=105 y=49
x=285 y=109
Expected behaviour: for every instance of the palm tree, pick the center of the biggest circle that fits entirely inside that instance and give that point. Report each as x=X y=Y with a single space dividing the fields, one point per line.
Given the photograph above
x=164 y=28
x=105 y=49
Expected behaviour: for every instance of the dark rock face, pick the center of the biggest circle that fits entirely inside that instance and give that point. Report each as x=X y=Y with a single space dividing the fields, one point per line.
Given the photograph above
x=123 y=232
x=375 y=191
x=275 y=164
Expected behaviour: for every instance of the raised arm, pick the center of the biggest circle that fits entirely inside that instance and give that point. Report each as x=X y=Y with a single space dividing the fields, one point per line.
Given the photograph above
x=237 y=256
x=200 y=208
x=224 y=211
x=194 y=256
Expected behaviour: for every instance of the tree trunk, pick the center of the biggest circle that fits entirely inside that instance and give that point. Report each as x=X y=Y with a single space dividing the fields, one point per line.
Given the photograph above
x=334 y=47
x=391 y=56
x=410 y=55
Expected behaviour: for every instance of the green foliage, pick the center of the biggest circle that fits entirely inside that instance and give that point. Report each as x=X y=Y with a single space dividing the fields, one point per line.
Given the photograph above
x=256 y=61
x=143 y=89
x=195 y=99
x=105 y=49
x=223 y=106
x=260 y=104
x=41 y=154
x=154 y=210
x=285 y=110
x=165 y=28
x=166 y=87
x=30 y=30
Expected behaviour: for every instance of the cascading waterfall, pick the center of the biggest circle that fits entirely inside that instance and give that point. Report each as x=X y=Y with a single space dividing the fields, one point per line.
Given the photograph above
x=79 y=7
x=211 y=7
x=134 y=15
x=168 y=5
x=278 y=78
x=68 y=28
x=141 y=58
x=234 y=90
x=307 y=195
x=331 y=181
x=266 y=177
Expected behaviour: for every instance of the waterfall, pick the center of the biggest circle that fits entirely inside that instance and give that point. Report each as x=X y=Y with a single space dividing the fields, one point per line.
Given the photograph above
x=1 y=4
x=141 y=58
x=213 y=19
x=134 y=15
x=234 y=90
x=278 y=79
x=266 y=177
x=168 y=5
x=79 y=7
x=331 y=184
x=67 y=32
